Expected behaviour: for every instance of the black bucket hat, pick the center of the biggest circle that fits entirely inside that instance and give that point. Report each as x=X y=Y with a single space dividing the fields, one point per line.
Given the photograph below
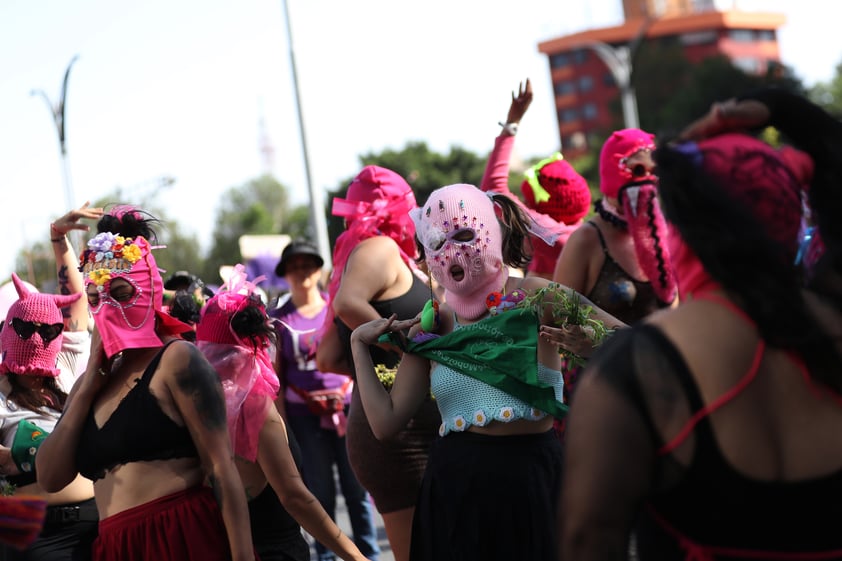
x=297 y=247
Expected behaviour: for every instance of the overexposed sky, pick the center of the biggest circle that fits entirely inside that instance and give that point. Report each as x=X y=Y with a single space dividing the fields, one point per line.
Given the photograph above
x=178 y=89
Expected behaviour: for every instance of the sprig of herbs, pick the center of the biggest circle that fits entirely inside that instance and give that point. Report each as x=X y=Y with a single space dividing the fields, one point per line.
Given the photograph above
x=567 y=308
x=7 y=489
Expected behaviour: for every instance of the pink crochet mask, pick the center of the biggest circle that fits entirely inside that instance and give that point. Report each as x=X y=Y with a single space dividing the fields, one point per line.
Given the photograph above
x=463 y=245
x=31 y=336
x=244 y=367
x=129 y=324
x=614 y=173
x=756 y=176
x=557 y=190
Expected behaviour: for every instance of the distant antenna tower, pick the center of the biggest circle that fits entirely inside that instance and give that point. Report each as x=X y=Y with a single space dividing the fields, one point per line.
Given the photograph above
x=267 y=150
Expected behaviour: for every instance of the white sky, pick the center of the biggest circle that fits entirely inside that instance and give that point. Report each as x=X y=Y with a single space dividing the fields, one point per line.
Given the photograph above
x=177 y=88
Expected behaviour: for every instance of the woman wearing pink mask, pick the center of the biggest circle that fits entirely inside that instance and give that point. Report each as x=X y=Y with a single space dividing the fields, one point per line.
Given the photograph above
x=146 y=422
x=713 y=430
x=491 y=481
x=375 y=275
x=45 y=342
x=236 y=335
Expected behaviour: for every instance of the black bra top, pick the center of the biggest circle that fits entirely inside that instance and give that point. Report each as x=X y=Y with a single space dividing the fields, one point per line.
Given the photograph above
x=620 y=294
x=137 y=431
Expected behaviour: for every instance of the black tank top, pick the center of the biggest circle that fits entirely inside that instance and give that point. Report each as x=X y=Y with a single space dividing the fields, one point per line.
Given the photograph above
x=406 y=306
x=275 y=533
x=137 y=431
x=620 y=294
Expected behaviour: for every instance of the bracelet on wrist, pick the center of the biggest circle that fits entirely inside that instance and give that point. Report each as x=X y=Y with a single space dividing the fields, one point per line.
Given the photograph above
x=54 y=240
x=510 y=128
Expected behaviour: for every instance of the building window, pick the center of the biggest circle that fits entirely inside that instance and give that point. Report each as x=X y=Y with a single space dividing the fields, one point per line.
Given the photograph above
x=580 y=56
x=742 y=35
x=559 y=60
x=568 y=115
x=698 y=38
x=765 y=35
x=565 y=88
x=608 y=80
x=585 y=84
x=749 y=65
x=589 y=112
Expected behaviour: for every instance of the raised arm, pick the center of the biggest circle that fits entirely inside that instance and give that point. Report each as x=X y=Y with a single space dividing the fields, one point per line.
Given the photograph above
x=496 y=177
x=67 y=265
x=277 y=463
x=197 y=393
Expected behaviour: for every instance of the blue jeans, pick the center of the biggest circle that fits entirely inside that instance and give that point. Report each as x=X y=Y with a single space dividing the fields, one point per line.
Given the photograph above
x=321 y=449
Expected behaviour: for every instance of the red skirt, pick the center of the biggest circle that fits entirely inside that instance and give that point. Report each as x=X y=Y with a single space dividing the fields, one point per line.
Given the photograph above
x=184 y=526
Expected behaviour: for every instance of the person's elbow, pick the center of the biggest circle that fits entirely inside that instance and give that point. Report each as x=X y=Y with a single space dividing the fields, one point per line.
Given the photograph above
x=50 y=478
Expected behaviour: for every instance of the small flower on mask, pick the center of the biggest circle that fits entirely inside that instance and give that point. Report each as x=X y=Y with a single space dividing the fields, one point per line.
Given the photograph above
x=131 y=253
x=102 y=242
x=100 y=276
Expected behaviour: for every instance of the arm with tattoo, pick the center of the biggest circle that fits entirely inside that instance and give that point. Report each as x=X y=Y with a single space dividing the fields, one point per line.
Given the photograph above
x=197 y=393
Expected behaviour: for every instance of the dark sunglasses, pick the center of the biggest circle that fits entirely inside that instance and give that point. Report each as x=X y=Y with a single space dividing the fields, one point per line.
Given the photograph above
x=25 y=329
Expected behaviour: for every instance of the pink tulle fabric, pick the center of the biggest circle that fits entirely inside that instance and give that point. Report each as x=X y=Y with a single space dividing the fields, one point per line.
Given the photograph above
x=245 y=368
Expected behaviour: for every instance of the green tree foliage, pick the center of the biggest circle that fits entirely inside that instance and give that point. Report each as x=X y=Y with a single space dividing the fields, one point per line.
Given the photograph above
x=672 y=92
x=258 y=207
x=424 y=169
x=829 y=94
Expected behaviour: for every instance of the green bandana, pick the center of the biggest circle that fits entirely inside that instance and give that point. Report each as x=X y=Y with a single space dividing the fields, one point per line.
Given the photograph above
x=500 y=350
x=28 y=438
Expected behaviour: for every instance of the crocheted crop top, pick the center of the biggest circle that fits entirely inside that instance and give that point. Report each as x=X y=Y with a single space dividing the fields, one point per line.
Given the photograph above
x=464 y=401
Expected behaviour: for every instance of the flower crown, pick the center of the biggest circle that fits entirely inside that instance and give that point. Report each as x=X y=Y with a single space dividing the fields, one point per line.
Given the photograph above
x=109 y=254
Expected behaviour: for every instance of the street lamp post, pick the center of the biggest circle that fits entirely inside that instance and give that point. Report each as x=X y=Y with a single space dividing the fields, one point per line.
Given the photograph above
x=619 y=63
x=57 y=111
x=317 y=211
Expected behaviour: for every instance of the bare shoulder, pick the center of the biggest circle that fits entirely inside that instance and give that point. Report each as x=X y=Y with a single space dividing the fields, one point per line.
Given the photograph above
x=376 y=248
x=583 y=238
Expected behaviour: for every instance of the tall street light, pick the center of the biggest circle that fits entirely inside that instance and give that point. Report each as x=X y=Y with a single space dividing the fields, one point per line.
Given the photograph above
x=58 y=113
x=317 y=211
x=619 y=63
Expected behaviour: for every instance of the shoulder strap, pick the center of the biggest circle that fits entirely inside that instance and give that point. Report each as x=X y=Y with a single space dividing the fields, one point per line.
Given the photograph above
x=153 y=364
x=601 y=238
x=703 y=412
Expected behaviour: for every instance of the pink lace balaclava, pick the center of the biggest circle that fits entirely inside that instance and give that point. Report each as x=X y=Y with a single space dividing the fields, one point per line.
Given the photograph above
x=31 y=336
x=636 y=190
x=463 y=244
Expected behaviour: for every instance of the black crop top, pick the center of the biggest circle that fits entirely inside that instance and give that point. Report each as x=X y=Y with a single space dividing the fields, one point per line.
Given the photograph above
x=406 y=306
x=137 y=431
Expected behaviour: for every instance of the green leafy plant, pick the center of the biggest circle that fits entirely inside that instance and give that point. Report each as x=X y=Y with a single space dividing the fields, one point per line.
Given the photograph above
x=7 y=489
x=567 y=308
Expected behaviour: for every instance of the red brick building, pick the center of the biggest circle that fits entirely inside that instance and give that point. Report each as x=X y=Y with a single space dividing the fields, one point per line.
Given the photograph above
x=585 y=87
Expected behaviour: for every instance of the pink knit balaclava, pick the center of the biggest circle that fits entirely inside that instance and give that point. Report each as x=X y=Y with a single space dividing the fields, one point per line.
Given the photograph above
x=244 y=365
x=129 y=324
x=31 y=336
x=636 y=189
x=463 y=244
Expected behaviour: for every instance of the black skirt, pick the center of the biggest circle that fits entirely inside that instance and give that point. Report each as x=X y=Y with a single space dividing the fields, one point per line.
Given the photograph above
x=489 y=497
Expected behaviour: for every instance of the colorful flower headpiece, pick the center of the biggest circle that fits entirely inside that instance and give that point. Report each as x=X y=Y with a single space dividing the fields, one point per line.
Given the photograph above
x=109 y=254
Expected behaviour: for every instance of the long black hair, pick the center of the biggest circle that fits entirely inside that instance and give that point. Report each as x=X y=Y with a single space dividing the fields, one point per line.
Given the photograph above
x=737 y=251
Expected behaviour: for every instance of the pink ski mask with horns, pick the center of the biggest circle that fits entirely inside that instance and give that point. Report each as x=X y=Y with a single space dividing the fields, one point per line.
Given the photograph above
x=135 y=322
x=635 y=188
x=32 y=333
x=463 y=244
